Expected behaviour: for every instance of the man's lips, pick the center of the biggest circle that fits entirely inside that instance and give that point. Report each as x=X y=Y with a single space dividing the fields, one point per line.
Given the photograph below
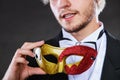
x=67 y=15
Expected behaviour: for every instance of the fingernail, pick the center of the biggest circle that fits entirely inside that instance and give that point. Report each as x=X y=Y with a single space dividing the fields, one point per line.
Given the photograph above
x=42 y=41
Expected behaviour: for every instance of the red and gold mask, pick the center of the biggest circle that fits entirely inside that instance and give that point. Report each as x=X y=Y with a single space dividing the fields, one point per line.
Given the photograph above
x=88 y=55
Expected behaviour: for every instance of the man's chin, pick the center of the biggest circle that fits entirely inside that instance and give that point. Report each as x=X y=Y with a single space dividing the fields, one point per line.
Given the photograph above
x=72 y=30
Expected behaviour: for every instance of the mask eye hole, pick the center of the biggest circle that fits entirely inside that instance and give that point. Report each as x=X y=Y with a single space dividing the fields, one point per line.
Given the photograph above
x=51 y=58
x=72 y=59
x=36 y=56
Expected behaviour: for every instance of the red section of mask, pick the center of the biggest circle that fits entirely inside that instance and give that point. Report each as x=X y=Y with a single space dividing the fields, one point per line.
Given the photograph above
x=88 y=53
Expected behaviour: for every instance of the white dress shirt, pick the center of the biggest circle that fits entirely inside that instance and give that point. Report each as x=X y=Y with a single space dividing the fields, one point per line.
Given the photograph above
x=94 y=72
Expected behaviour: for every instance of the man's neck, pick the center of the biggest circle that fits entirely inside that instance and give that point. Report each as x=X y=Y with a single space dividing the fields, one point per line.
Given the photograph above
x=86 y=31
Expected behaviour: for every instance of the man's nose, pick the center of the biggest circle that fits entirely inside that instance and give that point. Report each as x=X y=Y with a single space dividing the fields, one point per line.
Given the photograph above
x=63 y=4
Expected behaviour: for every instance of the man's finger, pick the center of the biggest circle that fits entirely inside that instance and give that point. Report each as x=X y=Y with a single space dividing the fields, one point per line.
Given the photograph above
x=31 y=45
x=21 y=60
x=22 y=52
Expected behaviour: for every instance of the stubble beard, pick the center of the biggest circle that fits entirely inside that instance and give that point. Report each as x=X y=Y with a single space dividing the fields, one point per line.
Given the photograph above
x=77 y=28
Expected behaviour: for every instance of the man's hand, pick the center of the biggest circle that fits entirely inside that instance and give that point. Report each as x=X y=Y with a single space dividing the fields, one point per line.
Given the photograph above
x=19 y=69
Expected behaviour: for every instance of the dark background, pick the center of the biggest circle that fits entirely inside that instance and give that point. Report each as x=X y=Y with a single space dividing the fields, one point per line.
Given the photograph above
x=30 y=20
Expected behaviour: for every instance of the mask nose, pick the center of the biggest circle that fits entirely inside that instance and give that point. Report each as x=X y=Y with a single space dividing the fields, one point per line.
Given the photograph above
x=61 y=66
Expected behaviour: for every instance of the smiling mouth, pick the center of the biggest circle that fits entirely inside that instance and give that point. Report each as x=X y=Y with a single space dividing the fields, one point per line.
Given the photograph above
x=67 y=16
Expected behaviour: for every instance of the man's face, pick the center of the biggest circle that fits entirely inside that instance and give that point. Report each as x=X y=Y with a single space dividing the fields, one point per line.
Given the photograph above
x=73 y=15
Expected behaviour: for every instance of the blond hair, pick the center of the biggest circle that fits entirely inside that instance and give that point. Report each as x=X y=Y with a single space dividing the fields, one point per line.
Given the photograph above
x=100 y=6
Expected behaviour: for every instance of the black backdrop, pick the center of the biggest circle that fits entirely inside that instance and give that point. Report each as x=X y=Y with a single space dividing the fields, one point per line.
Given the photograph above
x=30 y=20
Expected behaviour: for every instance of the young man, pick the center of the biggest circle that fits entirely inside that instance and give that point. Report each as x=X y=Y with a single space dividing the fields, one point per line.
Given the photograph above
x=80 y=24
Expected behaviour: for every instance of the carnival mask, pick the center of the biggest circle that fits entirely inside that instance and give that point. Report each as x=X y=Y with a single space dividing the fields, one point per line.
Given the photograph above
x=53 y=59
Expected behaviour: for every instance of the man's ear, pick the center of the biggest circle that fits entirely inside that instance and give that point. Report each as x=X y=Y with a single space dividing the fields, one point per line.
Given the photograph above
x=97 y=1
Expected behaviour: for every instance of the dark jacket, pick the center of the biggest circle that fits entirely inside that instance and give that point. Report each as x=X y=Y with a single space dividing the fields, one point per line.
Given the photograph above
x=111 y=67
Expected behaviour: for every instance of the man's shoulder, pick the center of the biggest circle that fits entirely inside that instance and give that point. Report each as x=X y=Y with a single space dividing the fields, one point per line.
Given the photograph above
x=112 y=40
x=111 y=68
